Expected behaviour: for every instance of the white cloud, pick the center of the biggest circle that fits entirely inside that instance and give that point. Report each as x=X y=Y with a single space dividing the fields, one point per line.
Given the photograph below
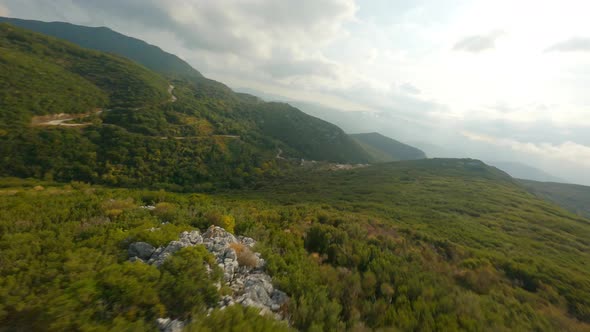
x=478 y=43
x=567 y=151
x=4 y=11
x=571 y=45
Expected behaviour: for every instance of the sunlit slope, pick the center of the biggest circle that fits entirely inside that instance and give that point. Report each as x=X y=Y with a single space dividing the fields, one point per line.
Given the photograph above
x=477 y=211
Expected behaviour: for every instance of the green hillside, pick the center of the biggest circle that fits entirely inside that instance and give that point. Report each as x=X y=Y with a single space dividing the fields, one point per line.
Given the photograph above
x=431 y=245
x=572 y=197
x=107 y=40
x=42 y=75
x=208 y=137
x=384 y=149
x=320 y=139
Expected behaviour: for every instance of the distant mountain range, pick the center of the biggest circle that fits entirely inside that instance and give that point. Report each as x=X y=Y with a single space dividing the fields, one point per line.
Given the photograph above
x=523 y=171
x=385 y=149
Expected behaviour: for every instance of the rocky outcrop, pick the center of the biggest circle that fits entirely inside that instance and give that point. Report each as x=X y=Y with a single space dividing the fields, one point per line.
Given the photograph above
x=250 y=285
x=170 y=325
x=141 y=250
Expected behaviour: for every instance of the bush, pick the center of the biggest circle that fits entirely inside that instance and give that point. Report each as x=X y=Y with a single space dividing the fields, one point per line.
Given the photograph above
x=226 y=222
x=246 y=257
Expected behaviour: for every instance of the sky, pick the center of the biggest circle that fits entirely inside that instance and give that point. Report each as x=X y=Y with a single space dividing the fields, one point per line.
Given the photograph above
x=493 y=80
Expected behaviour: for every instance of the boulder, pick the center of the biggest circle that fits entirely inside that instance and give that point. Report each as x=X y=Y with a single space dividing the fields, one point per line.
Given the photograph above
x=170 y=325
x=219 y=235
x=141 y=250
x=160 y=255
x=191 y=238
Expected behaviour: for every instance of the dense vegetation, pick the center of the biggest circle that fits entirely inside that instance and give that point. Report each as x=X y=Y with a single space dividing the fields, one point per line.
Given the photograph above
x=426 y=245
x=572 y=197
x=106 y=40
x=210 y=137
x=418 y=245
x=42 y=75
x=384 y=149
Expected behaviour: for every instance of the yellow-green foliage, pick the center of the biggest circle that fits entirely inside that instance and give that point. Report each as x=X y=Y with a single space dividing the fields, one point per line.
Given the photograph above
x=224 y=221
x=420 y=246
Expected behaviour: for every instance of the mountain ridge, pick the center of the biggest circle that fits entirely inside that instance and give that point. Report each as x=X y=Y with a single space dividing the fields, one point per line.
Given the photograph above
x=384 y=149
x=107 y=40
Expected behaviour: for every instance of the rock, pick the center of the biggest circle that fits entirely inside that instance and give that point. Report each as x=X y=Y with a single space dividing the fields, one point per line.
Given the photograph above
x=136 y=259
x=141 y=250
x=170 y=325
x=160 y=256
x=249 y=284
x=191 y=238
x=219 y=236
x=257 y=289
x=230 y=254
x=278 y=298
x=247 y=241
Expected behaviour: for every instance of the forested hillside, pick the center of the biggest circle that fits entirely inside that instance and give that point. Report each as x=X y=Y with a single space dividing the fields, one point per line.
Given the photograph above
x=384 y=149
x=572 y=197
x=106 y=40
x=130 y=126
x=423 y=245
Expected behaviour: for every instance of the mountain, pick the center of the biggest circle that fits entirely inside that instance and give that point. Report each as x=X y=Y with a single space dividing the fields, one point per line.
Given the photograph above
x=572 y=197
x=384 y=149
x=41 y=75
x=523 y=171
x=69 y=113
x=107 y=40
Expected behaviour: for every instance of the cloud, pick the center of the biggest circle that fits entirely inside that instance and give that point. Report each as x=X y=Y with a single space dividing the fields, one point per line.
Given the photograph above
x=4 y=11
x=478 y=43
x=409 y=89
x=247 y=28
x=571 y=45
x=567 y=151
x=255 y=38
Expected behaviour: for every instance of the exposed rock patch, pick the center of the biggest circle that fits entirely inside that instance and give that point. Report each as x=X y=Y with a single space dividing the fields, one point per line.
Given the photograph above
x=250 y=285
x=170 y=325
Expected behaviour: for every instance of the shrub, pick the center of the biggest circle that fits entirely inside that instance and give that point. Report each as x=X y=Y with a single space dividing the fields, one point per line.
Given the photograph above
x=246 y=257
x=226 y=222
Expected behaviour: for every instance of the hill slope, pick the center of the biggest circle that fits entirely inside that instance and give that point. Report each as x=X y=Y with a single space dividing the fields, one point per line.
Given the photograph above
x=422 y=245
x=572 y=197
x=41 y=75
x=384 y=149
x=205 y=134
x=107 y=40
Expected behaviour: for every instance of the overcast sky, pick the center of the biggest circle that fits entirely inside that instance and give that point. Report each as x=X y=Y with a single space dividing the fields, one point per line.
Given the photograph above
x=502 y=79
